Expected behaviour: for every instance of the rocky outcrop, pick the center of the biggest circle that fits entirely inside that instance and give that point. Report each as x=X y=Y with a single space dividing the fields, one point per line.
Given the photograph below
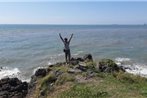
x=107 y=65
x=13 y=88
x=41 y=72
x=82 y=67
x=86 y=57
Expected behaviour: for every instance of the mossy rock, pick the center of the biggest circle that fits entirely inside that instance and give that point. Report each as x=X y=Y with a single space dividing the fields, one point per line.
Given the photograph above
x=107 y=62
x=108 y=65
x=47 y=80
x=45 y=85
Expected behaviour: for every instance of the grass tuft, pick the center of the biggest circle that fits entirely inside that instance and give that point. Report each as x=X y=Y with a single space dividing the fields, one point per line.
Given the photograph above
x=65 y=77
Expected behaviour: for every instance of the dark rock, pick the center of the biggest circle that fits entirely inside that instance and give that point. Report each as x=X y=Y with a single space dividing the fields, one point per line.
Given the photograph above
x=14 y=81
x=107 y=65
x=42 y=92
x=13 y=88
x=80 y=59
x=51 y=65
x=41 y=72
x=3 y=93
x=88 y=57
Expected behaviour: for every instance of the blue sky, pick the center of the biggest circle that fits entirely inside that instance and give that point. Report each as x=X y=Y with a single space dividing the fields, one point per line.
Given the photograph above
x=73 y=12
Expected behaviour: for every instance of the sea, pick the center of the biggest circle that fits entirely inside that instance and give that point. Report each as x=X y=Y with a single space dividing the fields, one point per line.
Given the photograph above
x=24 y=48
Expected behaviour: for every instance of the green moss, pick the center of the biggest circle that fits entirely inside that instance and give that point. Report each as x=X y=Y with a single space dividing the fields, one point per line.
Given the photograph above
x=62 y=68
x=108 y=62
x=90 y=64
x=47 y=79
x=65 y=77
x=45 y=83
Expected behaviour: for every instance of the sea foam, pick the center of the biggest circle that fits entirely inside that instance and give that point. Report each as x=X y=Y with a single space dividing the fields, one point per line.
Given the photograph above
x=6 y=72
x=131 y=67
x=9 y=72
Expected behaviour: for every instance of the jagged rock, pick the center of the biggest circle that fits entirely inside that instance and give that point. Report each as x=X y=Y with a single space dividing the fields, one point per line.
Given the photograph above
x=107 y=65
x=80 y=59
x=13 y=88
x=42 y=72
x=88 y=57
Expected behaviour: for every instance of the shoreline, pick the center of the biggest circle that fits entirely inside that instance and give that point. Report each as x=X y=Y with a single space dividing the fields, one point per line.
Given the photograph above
x=126 y=63
x=80 y=70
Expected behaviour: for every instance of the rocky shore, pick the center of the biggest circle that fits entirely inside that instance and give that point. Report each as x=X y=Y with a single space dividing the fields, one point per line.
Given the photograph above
x=47 y=81
x=13 y=88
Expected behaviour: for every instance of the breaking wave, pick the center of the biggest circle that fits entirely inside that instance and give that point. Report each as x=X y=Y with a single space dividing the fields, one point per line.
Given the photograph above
x=132 y=67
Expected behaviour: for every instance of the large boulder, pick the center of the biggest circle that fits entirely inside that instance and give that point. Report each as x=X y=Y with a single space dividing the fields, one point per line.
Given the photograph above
x=41 y=72
x=13 y=88
x=107 y=65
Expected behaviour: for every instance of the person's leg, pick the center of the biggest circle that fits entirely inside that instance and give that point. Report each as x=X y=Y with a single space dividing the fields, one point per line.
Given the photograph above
x=66 y=56
x=69 y=56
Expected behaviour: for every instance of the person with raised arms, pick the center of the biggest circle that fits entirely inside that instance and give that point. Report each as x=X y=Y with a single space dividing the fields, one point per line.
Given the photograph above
x=66 y=49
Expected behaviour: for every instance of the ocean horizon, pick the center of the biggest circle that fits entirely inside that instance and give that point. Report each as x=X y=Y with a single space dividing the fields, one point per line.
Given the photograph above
x=25 y=47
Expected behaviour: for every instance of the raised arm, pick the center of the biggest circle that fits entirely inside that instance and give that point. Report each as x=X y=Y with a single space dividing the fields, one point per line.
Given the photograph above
x=70 y=37
x=61 y=37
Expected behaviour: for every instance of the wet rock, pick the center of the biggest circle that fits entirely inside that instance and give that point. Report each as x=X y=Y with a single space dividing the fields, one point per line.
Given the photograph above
x=13 y=88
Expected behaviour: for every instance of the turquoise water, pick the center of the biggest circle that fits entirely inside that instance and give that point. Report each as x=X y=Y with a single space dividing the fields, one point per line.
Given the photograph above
x=26 y=47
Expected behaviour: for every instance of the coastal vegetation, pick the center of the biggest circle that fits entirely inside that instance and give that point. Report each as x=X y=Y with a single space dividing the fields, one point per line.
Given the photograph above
x=82 y=78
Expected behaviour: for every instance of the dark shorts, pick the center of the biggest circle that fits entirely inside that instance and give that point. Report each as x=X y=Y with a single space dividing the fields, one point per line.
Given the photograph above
x=66 y=51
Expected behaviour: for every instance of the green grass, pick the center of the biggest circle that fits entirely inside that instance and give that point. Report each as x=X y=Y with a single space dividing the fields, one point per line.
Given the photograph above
x=102 y=85
x=65 y=77
x=84 y=91
x=61 y=68
x=108 y=86
x=44 y=85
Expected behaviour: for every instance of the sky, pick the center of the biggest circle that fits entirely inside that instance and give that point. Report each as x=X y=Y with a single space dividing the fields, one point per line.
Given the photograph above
x=77 y=12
